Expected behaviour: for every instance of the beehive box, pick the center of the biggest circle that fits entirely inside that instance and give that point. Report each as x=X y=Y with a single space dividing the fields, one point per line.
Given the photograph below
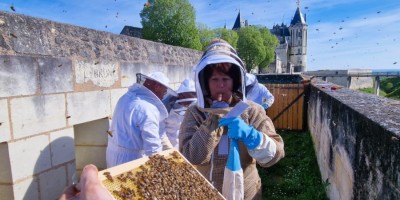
x=167 y=175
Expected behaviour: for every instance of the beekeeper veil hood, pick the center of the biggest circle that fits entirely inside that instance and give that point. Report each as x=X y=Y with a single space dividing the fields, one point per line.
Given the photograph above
x=251 y=81
x=219 y=51
x=167 y=95
x=186 y=96
x=187 y=85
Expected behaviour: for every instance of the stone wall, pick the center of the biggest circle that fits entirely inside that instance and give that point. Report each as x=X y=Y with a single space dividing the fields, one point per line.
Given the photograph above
x=58 y=88
x=352 y=78
x=356 y=138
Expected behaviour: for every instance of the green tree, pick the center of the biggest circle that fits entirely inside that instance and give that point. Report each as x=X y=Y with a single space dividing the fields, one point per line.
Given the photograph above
x=170 y=22
x=250 y=47
x=206 y=35
x=270 y=43
x=228 y=35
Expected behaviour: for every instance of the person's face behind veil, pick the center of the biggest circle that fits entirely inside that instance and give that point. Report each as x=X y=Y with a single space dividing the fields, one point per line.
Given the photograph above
x=158 y=89
x=220 y=83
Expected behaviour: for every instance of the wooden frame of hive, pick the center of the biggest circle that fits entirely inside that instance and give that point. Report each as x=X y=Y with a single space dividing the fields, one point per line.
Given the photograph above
x=135 y=165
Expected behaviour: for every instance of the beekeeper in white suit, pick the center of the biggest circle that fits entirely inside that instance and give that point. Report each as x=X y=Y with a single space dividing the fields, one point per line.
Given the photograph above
x=186 y=97
x=257 y=92
x=204 y=136
x=135 y=127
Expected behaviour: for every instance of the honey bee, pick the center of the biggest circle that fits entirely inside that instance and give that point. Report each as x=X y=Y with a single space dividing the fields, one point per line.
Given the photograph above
x=110 y=178
x=13 y=35
x=109 y=133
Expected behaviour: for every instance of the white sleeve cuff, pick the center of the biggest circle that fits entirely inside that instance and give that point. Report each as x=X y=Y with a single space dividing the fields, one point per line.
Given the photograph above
x=265 y=151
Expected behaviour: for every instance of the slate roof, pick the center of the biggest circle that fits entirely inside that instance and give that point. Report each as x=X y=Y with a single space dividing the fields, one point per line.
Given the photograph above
x=298 y=18
x=239 y=23
x=132 y=31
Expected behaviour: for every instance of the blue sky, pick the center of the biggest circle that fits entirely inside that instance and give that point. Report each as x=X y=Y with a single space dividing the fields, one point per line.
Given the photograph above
x=342 y=34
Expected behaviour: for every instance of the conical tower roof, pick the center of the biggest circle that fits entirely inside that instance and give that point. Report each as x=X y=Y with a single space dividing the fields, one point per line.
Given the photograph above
x=298 y=18
x=239 y=23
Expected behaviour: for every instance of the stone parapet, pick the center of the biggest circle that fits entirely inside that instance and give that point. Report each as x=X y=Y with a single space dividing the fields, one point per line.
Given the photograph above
x=356 y=137
x=59 y=85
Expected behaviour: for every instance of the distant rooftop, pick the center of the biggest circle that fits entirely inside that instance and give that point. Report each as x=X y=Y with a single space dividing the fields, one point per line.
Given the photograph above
x=239 y=23
x=132 y=31
x=298 y=18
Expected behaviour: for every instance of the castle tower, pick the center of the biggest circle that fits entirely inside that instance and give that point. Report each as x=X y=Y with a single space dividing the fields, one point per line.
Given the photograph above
x=239 y=23
x=298 y=42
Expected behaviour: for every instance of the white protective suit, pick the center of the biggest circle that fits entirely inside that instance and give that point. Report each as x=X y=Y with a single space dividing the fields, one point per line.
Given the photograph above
x=258 y=92
x=135 y=126
x=175 y=117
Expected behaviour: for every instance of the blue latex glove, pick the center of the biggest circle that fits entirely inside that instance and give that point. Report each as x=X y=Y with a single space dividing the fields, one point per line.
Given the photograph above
x=233 y=162
x=265 y=106
x=238 y=129
x=219 y=104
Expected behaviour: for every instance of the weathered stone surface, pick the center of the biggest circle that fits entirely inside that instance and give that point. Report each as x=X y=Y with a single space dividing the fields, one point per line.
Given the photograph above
x=62 y=146
x=29 y=156
x=5 y=166
x=52 y=187
x=5 y=132
x=96 y=73
x=92 y=133
x=153 y=50
x=91 y=155
x=129 y=71
x=37 y=114
x=178 y=73
x=28 y=40
x=88 y=106
x=356 y=137
x=352 y=78
x=42 y=37
x=3 y=43
x=6 y=191
x=18 y=76
x=55 y=75
x=26 y=189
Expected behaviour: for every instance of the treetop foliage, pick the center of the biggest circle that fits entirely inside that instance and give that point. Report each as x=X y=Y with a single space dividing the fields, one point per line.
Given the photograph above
x=173 y=22
x=170 y=22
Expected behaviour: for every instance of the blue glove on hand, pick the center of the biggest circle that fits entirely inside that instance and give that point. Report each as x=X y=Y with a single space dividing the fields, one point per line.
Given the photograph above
x=219 y=104
x=238 y=129
x=233 y=162
x=265 y=106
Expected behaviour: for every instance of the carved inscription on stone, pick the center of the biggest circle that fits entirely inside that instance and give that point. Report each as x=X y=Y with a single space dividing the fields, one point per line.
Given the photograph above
x=100 y=74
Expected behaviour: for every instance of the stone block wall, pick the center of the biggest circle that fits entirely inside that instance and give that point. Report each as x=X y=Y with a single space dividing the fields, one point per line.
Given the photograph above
x=357 y=140
x=58 y=87
x=354 y=78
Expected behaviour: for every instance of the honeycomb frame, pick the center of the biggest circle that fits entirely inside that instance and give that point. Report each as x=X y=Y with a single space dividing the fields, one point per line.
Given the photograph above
x=167 y=175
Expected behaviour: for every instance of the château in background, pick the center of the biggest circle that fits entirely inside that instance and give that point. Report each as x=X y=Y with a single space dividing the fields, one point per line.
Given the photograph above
x=291 y=53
